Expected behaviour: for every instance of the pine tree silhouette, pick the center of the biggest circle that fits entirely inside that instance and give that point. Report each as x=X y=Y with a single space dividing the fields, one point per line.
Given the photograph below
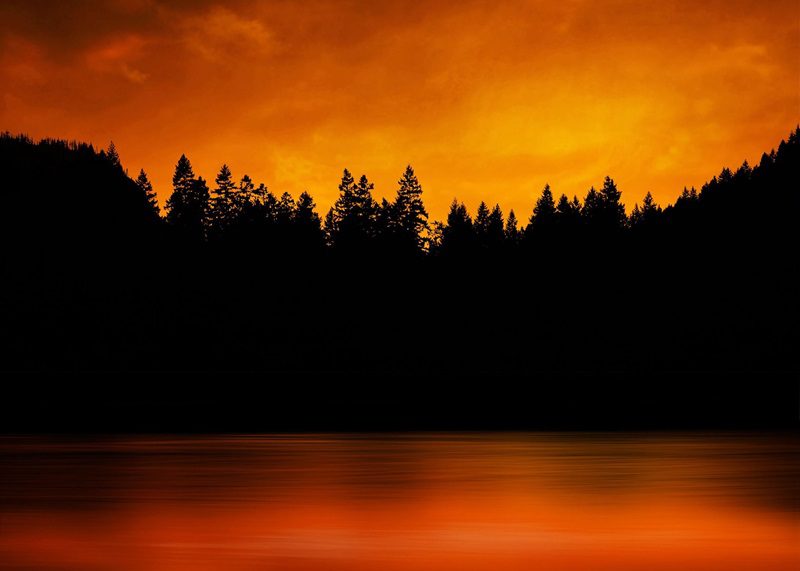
x=495 y=228
x=481 y=224
x=512 y=229
x=188 y=206
x=285 y=209
x=603 y=211
x=248 y=193
x=721 y=263
x=352 y=222
x=647 y=215
x=149 y=193
x=408 y=212
x=458 y=235
x=568 y=213
x=544 y=213
x=223 y=202
x=113 y=156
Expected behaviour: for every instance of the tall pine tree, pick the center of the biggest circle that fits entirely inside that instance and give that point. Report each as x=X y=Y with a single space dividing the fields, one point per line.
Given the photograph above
x=512 y=229
x=352 y=223
x=647 y=215
x=147 y=188
x=188 y=206
x=481 y=224
x=113 y=156
x=409 y=214
x=223 y=202
x=495 y=229
x=458 y=235
x=543 y=217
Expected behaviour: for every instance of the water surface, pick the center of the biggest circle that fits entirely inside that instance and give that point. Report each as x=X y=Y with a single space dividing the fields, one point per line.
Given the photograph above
x=462 y=502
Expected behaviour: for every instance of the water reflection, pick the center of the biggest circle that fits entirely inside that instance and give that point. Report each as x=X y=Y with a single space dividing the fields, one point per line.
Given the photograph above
x=465 y=501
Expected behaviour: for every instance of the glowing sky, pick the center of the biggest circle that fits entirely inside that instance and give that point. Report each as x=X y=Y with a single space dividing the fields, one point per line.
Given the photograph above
x=486 y=99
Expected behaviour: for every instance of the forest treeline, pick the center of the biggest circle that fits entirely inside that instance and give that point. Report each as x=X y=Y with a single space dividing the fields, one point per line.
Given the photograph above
x=228 y=211
x=233 y=276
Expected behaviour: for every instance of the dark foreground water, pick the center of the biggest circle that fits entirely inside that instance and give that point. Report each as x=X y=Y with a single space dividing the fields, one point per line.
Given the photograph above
x=456 y=502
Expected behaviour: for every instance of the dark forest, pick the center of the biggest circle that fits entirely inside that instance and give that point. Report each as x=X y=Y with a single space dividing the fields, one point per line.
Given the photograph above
x=236 y=279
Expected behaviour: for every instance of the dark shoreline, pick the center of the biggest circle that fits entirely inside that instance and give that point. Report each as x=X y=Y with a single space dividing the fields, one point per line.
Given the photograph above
x=372 y=402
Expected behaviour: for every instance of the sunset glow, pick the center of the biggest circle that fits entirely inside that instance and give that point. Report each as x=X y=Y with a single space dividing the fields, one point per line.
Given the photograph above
x=486 y=100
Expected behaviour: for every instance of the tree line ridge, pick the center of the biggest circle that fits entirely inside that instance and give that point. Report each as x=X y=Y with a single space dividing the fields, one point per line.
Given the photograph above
x=234 y=277
x=227 y=208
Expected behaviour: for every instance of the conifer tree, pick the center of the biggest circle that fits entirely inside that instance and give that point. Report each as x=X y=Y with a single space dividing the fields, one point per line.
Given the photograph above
x=613 y=209
x=223 y=202
x=364 y=204
x=647 y=215
x=564 y=206
x=345 y=203
x=543 y=217
x=408 y=212
x=184 y=175
x=247 y=192
x=602 y=210
x=568 y=215
x=687 y=195
x=285 y=208
x=113 y=156
x=354 y=213
x=386 y=224
x=188 y=206
x=307 y=224
x=147 y=188
x=458 y=234
x=592 y=204
x=341 y=209
x=512 y=229
x=545 y=209
x=305 y=213
x=330 y=227
x=495 y=231
x=481 y=224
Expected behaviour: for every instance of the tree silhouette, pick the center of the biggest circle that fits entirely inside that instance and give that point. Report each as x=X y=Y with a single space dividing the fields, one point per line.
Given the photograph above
x=647 y=215
x=602 y=210
x=188 y=206
x=285 y=209
x=611 y=199
x=113 y=156
x=78 y=274
x=408 y=216
x=495 y=228
x=539 y=230
x=247 y=193
x=330 y=227
x=149 y=193
x=342 y=208
x=309 y=230
x=568 y=213
x=223 y=201
x=512 y=229
x=481 y=224
x=458 y=234
x=351 y=224
x=545 y=209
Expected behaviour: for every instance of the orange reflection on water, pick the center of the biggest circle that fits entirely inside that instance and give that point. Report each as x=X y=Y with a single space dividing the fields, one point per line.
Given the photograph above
x=424 y=502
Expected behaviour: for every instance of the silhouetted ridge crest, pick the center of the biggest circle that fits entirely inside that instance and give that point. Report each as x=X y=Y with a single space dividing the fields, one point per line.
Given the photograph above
x=235 y=276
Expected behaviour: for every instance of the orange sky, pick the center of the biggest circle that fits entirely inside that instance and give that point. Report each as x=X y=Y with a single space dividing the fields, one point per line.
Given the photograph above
x=486 y=99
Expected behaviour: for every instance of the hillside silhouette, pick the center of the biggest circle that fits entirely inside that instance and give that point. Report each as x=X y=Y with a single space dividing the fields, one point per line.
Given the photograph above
x=234 y=278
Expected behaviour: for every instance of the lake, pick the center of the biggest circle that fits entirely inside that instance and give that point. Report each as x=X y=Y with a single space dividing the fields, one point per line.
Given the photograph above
x=460 y=502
